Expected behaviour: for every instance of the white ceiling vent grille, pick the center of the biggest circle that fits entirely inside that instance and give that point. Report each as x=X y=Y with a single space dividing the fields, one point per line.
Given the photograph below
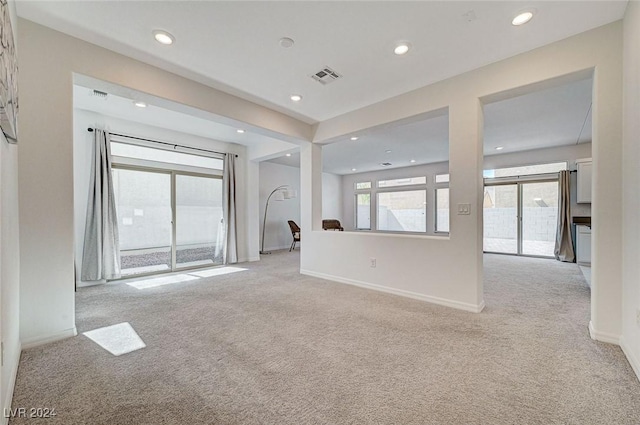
x=100 y=94
x=326 y=75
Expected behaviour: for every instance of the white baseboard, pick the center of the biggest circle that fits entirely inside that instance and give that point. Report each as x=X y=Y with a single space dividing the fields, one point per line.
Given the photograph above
x=45 y=339
x=603 y=336
x=401 y=292
x=6 y=403
x=631 y=357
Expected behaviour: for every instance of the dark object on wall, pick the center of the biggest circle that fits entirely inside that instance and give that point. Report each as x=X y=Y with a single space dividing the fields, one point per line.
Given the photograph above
x=295 y=233
x=8 y=77
x=332 y=224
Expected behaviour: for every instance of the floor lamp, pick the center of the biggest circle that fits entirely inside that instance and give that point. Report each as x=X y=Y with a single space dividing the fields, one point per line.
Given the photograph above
x=281 y=193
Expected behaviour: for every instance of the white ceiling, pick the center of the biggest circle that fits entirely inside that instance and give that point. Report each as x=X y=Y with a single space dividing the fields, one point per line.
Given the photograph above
x=556 y=116
x=233 y=45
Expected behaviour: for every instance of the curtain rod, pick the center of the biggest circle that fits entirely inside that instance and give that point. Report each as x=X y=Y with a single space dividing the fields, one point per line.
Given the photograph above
x=163 y=143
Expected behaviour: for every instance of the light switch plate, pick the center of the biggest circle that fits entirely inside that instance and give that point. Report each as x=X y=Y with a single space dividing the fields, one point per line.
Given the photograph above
x=464 y=209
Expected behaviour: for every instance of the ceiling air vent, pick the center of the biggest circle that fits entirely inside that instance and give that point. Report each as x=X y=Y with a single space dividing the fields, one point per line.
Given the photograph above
x=385 y=164
x=100 y=94
x=326 y=75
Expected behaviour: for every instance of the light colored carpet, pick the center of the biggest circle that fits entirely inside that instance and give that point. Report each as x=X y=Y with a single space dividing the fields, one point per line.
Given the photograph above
x=269 y=346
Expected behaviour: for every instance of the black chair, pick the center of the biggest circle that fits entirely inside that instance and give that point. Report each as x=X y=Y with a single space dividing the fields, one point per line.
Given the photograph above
x=295 y=232
x=332 y=224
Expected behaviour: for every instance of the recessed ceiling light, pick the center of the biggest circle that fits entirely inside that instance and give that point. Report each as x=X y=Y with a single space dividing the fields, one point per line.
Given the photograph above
x=140 y=104
x=401 y=48
x=296 y=97
x=353 y=169
x=163 y=37
x=240 y=131
x=412 y=161
x=286 y=42
x=288 y=154
x=387 y=151
x=354 y=138
x=499 y=148
x=522 y=18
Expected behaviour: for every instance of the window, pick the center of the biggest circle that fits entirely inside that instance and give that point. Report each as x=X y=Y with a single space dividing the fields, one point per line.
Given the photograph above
x=363 y=185
x=526 y=170
x=404 y=211
x=168 y=157
x=442 y=203
x=402 y=182
x=442 y=209
x=363 y=211
x=442 y=178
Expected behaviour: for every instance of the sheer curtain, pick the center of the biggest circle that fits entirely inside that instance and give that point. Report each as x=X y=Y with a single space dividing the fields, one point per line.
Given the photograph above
x=101 y=253
x=564 y=246
x=230 y=247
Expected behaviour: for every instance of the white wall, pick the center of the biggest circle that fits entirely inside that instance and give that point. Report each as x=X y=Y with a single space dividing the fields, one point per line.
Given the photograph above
x=82 y=154
x=9 y=259
x=631 y=178
x=449 y=270
x=47 y=61
x=277 y=233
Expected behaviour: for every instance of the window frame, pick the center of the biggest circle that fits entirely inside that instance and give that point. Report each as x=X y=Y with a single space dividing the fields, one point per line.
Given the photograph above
x=435 y=202
x=356 y=188
x=355 y=219
x=395 y=187
x=436 y=187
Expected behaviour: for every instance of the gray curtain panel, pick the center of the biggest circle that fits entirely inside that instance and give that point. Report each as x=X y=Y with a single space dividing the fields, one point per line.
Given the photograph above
x=230 y=247
x=101 y=253
x=564 y=245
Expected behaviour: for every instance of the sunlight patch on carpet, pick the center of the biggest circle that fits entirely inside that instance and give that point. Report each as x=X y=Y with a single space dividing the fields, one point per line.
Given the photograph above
x=117 y=339
x=217 y=272
x=161 y=281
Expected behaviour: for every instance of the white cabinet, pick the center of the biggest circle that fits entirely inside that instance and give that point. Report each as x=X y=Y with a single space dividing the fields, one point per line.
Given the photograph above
x=584 y=181
x=583 y=245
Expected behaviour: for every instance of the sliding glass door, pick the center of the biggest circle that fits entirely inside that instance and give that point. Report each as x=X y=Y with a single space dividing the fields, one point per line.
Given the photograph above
x=167 y=220
x=539 y=218
x=501 y=219
x=199 y=227
x=143 y=204
x=521 y=218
